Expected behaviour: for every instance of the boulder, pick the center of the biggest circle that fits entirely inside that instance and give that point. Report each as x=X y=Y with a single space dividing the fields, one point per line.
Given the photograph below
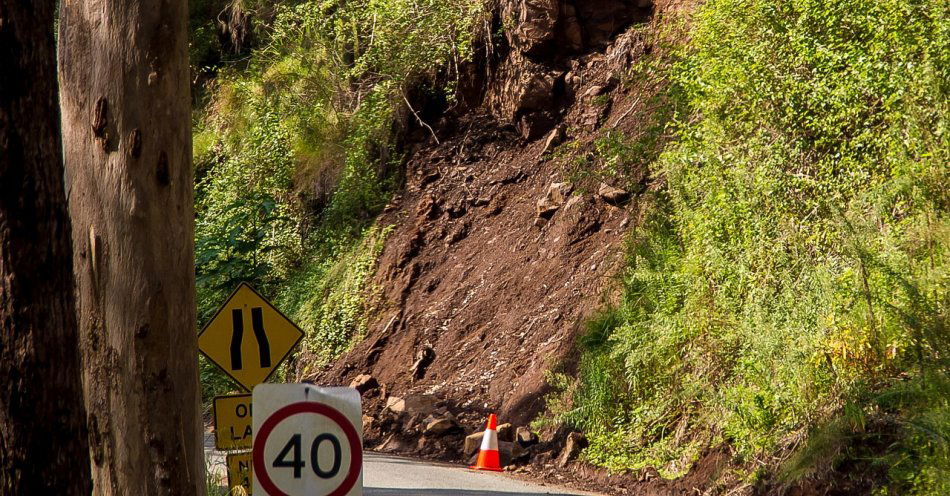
x=393 y=444
x=572 y=34
x=525 y=437
x=422 y=403
x=509 y=452
x=424 y=358
x=368 y=421
x=612 y=195
x=555 y=197
x=555 y=137
x=594 y=91
x=436 y=426
x=572 y=447
x=522 y=94
x=506 y=432
x=535 y=21
x=364 y=383
x=472 y=443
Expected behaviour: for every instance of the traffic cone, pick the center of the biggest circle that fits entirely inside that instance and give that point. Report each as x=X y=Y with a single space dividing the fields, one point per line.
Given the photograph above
x=488 y=454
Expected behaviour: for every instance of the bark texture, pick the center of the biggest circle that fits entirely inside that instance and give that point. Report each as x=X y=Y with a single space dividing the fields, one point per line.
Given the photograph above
x=43 y=447
x=127 y=140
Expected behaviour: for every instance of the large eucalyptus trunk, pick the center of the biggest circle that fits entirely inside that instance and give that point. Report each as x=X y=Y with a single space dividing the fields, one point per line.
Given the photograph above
x=127 y=141
x=43 y=448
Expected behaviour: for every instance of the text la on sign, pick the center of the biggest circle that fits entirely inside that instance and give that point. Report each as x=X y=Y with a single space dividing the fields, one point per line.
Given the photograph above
x=232 y=422
x=248 y=337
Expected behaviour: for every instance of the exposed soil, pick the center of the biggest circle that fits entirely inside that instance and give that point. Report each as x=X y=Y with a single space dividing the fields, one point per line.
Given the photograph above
x=486 y=292
x=482 y=290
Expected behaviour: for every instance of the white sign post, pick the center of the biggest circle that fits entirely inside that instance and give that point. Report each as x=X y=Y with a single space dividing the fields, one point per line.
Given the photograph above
x=307 y=441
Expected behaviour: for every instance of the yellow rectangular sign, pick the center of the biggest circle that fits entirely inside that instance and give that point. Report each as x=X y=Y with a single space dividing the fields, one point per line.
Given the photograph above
x=240 y=477
x=232 y=422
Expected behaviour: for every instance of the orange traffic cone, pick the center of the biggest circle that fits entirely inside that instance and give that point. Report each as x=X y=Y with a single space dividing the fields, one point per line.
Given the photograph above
x=488 y=454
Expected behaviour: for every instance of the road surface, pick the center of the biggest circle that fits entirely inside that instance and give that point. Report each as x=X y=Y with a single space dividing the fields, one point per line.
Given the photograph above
x=386 y=475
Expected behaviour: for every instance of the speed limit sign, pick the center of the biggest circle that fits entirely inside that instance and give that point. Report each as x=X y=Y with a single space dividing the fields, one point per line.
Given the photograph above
x=307 y=441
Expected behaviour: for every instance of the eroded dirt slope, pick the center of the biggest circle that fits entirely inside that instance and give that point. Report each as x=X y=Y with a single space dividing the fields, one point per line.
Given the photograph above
x=496 y=261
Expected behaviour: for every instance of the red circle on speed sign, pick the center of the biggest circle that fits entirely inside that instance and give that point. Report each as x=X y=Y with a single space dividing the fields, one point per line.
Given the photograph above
x=260 y=439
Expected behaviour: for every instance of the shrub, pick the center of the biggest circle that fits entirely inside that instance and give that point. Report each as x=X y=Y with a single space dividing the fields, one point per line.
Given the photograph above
x=797 y=260
x=295 y=155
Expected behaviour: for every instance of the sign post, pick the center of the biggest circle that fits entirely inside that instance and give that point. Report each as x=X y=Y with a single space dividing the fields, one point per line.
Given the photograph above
x=307 y=441
x=239 y=472
x=247 y=338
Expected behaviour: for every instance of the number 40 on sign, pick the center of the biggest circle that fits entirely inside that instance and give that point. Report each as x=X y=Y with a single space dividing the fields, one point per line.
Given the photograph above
x=307 y=441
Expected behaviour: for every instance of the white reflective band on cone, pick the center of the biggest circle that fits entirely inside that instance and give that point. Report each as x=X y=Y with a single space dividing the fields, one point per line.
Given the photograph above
x=490 y=441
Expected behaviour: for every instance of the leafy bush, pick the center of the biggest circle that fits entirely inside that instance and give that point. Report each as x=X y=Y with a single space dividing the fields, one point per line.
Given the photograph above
x=797 y=261
x=331 y=298
x=295 y=155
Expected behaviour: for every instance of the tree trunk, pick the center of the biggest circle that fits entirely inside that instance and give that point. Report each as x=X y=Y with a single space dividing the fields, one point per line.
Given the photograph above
x=127 y=140
x=43 y=446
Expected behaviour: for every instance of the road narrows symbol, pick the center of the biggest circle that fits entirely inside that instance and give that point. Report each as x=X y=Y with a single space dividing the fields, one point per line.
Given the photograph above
x=248 y=316
x=237 y=322
x=237 y=336
x=257 y=321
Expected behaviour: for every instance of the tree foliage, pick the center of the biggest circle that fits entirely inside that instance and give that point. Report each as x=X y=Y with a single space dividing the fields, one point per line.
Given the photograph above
x=296 y=151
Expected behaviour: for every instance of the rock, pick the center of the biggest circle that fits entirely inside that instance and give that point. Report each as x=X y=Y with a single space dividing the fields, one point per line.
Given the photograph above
x=393 y=444
x=364 y=383
x=594 y=91
x=506 y=432
x=555 y=197
x=472 y=443
x=368 y=421
x=412 y=404
x=594 y=116
x=424 y=358
x=555 y=137
x=612 y=195
x=533 y=125
x=525 y=437
x=509 y=452
x=395 y=404
x=602 y=19
x=572 y=447
x=536 y=20
x=436 y=426
x=572 y=34
x=523 y=95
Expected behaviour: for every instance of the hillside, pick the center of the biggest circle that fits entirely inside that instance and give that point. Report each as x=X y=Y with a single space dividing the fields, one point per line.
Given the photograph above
x=710 y=236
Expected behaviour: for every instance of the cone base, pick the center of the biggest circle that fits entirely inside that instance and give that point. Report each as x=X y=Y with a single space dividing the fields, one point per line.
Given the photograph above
x=473 y=467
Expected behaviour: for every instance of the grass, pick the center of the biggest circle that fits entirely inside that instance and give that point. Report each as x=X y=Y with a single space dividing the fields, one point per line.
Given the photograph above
x=793 y=271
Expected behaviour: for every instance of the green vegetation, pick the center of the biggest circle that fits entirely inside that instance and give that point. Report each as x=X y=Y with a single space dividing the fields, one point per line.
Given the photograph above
x=788 y=292
x=296 y=148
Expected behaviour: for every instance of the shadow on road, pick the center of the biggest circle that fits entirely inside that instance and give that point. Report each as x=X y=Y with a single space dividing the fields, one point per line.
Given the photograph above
x=376 y=491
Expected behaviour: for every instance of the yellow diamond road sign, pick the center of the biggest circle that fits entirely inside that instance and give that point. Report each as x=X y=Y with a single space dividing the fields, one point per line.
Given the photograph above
x=248 y=337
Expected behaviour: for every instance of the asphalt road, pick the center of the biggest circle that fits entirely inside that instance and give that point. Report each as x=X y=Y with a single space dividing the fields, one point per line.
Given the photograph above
x=386 y=475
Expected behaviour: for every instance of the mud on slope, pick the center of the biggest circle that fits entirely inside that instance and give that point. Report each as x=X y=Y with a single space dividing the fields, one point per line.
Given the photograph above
x=484 y=289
